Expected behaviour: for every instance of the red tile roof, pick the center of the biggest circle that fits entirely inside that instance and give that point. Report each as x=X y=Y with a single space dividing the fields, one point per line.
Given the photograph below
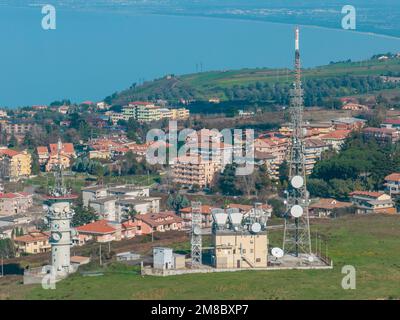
x=393 y=177
x=392 y=121
x=9 y=152
x=67 y=148
x=42 y=149
x=158 y=219
x=32 y=237
x=97 y=227
x=336 y=135
x=372 y=194
x=330 y=204
x=205 y=209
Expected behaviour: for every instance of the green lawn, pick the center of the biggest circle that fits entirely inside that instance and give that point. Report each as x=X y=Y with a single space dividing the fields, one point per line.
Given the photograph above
x=369 y=243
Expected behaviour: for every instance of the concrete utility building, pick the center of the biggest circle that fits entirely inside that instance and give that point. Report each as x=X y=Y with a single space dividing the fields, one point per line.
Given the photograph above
x=240 y=249
x=240 y=241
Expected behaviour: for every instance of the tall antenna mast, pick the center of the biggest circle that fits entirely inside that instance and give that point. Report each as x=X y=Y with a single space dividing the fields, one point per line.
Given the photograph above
x=297 y=228
x=196 y=240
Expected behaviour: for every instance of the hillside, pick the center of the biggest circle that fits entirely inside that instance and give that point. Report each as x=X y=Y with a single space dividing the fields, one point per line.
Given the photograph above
x=226 y=85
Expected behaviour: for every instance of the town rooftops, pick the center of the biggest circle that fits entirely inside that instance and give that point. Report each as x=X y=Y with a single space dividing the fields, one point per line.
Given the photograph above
x=97 y=227
x=158 y=219
x=33 y=237
x=15 y=195
x=314 y=143
x=379 y=130
x=369 y=194
x=393 y=177
x=263 y=155
x=67 y=148
x=245 y=207
x=94 y=188
x=392 y=121
x=336 y=135
x=9 y=152
x=330 y=204
x=205 y=209
x=348 y=120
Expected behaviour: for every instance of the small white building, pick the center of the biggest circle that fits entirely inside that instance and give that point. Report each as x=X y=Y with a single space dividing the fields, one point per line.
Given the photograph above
x=163 y=258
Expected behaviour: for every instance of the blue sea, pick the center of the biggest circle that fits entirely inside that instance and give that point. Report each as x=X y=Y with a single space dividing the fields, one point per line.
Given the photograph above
x=92 y=54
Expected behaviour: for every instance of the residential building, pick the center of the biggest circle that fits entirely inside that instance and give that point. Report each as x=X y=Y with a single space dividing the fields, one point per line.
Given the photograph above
x=382 y=135
x=14 y=164
x=372 y=202
x=32 y=243
x=313 y=151
x=98 y=231
x=15 y=203
x=49 y=157
x=355 y=107
x=392 y=183
x=336 y=139
x=194 y=171
x=180 y=114
x=348 y=123
x=270 y=162
x=274 y=145
x=391 y=124
x=327 y=207
x=186 y=215
x=157 y=222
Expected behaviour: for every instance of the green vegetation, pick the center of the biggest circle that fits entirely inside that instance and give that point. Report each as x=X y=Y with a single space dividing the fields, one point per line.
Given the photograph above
x=360 y=165
x=321 y=84
x=369 y=243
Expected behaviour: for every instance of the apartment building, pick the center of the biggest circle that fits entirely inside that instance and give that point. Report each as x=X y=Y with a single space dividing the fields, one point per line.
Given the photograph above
x=180 y=114
x=194 y=170
x=274 y=145
x=336 y=139
x=382 y=135
x=32 y=243
x=392 y=183
x=49 y=157
x=372 y=202
x=313 y=151
x=14 y=165
x=157 y=222
x=15 y=203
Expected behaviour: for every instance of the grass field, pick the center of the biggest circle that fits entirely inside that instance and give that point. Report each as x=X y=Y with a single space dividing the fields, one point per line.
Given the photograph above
x=369 y=243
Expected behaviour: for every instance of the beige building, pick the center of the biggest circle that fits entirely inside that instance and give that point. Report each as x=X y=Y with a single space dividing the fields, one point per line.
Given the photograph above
x=32 y=243
x=240 y=249
x=194 y=170
x=14 y=164
x=180 y=114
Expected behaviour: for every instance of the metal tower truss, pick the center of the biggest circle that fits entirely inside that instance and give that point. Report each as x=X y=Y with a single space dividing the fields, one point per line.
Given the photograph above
x=297 y=228
x=196 y=240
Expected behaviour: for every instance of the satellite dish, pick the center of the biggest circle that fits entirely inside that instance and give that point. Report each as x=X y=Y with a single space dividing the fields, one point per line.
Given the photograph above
x=197 y=230
x=310 y=259
x=256 y=227
x=297 y=182
x=296 y=211
x=45 y=208
x=277 y=252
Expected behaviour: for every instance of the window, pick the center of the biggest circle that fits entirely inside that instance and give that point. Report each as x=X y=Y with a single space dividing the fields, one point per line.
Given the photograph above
x=244 y=250
x=258 y=260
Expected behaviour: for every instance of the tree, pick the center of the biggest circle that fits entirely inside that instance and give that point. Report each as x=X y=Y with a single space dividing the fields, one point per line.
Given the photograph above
x=83 y=216
x=177 y=203
x=7 y=248
x=130 y=214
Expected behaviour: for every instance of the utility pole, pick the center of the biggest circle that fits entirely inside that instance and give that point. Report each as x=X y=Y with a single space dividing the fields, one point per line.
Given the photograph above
x=100 y=254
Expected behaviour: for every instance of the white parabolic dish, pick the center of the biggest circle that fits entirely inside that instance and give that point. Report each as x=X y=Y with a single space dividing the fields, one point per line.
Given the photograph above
x=297 y=182
x=296 y=211
x=277 y=252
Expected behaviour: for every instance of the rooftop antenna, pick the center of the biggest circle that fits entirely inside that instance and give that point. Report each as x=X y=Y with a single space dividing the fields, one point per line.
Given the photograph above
x=196 y=240
x=297 y=227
